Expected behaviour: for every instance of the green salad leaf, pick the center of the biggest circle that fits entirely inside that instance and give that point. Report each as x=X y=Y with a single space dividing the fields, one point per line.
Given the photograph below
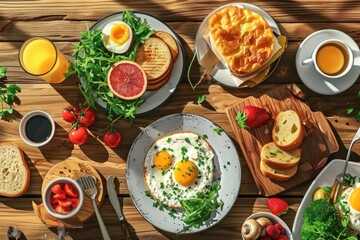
x=3 y=72
x=93 y=61
x=7 y=96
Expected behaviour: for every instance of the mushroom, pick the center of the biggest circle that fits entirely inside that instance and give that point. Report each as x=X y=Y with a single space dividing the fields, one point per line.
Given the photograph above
x=251 y=229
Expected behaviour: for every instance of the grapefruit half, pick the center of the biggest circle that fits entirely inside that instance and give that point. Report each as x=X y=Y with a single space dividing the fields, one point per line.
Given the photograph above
x=127 y=80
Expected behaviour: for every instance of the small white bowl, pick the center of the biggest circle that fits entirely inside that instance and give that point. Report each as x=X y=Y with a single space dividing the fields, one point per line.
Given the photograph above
x=47 y=196
x=22 y=128
x=274 y=219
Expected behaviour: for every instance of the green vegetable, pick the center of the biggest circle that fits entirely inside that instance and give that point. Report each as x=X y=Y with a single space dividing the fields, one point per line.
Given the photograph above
x=349 y=179
x=7 y=96
x=201 y=99
x=240 y=119
x=199 y=209
x=322 y=222
x=351 y=109
x=218 y=130
x=93 y=62
x=3 y=72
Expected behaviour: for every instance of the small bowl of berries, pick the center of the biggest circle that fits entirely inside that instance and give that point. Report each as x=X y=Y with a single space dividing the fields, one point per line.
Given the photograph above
x=63 y=198
x=265 y=226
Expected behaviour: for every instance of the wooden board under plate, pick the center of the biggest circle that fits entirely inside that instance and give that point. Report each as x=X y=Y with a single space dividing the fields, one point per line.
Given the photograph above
x=316 y=147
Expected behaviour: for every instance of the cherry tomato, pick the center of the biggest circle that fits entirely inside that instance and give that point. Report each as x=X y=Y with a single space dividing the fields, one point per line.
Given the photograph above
x=87 y=117
x=70 y=190
x=70 y=114
x=65 y=203
x=112 y=139
x=74 y=202
x=78 y=135
x=60 y=196
x=56 y=188
x=62 y=210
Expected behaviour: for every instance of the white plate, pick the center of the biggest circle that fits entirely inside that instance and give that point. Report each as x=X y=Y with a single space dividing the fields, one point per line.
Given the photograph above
x=325 y=178
x=153 y=99
x=314 y=80
x=224 y=149
x=222 y=74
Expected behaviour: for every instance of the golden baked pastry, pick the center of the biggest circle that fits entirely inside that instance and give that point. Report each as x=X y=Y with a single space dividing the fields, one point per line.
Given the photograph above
x=242 y=37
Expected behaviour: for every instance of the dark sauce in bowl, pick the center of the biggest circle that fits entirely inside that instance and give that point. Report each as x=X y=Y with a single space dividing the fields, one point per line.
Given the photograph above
x=38 y=128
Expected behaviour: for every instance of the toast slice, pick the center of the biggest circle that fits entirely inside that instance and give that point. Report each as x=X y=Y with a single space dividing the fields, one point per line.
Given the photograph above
x=154 y=56
x=275 y=157
x=170 y=41
x=14 y=172
x=288 y=132
x=277 y=174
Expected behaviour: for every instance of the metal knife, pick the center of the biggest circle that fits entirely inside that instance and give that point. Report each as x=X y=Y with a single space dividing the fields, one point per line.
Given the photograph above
x=116 y=205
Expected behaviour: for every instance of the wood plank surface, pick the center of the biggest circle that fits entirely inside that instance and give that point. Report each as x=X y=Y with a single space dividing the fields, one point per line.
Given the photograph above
x=62 y=21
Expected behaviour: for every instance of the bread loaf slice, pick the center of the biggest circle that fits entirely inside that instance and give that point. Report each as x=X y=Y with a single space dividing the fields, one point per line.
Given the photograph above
x=276 y=173
x=14 y=173
x=275 y=157
x=288 y=131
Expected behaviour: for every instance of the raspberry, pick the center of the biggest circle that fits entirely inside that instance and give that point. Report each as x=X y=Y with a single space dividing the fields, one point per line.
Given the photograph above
x=272 y=232
x=282 y=237
x=280 y=227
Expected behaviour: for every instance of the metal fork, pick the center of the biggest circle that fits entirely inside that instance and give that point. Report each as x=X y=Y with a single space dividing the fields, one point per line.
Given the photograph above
x=88 y=184
x=339 y=180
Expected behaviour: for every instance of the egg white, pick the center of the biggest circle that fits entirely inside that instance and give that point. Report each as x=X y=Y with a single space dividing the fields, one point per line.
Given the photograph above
x=162 y=184
x=112 y=46
x=354 y=215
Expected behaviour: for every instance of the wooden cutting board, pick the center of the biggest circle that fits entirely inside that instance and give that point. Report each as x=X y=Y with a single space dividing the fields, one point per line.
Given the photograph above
x=72 y=168
x=316 y=147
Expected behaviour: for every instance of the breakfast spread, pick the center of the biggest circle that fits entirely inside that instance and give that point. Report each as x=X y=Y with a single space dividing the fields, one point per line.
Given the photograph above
x=14 y=174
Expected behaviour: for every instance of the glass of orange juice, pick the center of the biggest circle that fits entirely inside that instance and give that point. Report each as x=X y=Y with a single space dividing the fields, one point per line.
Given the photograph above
x=38 y=56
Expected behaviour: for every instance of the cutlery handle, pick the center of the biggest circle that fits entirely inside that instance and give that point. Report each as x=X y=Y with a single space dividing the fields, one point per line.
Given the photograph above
x=103 y=229
x=125 y=230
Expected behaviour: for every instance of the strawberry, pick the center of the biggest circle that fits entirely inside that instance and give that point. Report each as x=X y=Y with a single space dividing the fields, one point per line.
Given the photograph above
x=272 y=231
x=252 y=117
x=282 y=237
x=280 y=227
x=277 y=206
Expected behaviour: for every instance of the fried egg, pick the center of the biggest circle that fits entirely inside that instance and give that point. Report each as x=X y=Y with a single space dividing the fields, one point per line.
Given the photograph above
x=177 y=167
x=350 y=198
x=117 y=37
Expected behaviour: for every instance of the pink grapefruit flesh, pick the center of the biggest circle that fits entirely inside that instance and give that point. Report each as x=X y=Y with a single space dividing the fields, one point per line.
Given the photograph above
x=127 y=80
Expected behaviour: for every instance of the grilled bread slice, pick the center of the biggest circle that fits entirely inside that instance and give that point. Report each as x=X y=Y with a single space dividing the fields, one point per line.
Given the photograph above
x=14 y=173
x=170 y=41
x=288 y=132
x=275 y=157
x=154 y=56
x=277 y=174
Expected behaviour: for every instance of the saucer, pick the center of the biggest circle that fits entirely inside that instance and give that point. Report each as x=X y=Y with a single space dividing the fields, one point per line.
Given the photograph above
x=314 y=80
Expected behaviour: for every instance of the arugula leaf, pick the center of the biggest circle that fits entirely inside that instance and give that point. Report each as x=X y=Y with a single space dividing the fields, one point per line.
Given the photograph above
x=201 y=99
x=218 y=130
x=349 y=110
x=93 y=61
x=3 y=72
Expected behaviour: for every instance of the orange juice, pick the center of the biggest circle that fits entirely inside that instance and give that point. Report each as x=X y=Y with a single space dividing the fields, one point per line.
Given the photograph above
x=39 y=57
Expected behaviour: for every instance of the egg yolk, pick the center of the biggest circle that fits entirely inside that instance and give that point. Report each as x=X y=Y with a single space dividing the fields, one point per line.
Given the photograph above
x=185 y=172
x=162 y=160
x=119 y=33
x=354 y=199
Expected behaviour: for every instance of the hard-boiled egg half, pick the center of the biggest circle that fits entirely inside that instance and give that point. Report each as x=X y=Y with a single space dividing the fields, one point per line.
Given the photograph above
x=117 y=37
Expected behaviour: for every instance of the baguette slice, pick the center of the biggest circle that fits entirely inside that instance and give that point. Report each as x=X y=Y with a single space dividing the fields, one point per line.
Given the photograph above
x=14 y=173
x=277 y=174
x=288 y=132
x=275 y=157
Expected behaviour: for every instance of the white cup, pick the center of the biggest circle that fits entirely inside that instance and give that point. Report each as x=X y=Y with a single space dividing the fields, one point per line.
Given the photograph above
x=349 y=58
x=24 y=128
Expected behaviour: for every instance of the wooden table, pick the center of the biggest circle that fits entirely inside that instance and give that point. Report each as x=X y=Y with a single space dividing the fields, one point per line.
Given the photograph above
x=63 y=20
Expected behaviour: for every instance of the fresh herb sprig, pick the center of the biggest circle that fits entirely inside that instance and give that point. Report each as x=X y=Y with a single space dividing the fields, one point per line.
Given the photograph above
x=351 y=109
x=93 y=62
x=7 y=96
x=199 y=209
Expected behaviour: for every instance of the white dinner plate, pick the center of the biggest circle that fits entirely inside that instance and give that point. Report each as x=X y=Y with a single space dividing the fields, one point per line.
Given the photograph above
x=325 y=178
x=153 y=99
x=314 y=80
x=226 y=163
x=222 y=74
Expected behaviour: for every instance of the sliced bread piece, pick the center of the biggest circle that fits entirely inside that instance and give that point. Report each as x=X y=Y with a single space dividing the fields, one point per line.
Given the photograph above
x=275 y=157
x=277 y=174
x=288 y=131
x=14 y=173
